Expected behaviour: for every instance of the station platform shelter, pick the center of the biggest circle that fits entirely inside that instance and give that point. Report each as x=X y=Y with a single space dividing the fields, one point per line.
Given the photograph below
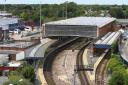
x=106 y=41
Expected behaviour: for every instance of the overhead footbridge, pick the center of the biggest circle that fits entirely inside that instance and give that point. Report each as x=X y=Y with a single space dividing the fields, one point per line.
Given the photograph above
x=91 y=27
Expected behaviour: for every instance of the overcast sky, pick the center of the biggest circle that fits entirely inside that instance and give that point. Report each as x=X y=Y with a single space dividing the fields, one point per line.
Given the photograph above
x=119 y=2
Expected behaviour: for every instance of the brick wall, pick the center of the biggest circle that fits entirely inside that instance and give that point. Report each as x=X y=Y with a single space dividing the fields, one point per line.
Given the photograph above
x=107 y=28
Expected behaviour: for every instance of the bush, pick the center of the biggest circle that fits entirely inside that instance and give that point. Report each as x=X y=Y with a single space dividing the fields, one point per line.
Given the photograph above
x=115 y=63
x=119 y=73
x=28 y=72
x=114 y=47
x=119 y=78
x=15 y=77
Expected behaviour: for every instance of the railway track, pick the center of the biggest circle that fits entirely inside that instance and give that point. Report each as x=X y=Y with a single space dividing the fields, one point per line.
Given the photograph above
x=47 y=68
x=48 y=60
x=82 y=74
x=101 y=70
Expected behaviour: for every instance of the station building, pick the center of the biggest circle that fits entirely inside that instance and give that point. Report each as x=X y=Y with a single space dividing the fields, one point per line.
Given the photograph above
x=92 y=27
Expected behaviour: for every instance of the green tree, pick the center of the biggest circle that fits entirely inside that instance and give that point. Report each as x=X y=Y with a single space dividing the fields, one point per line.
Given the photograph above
x=119 y=74
x=71 y=9
x=114 y=47
x=116 y=12
x=28 y=72
x=115 y=63
x=24 y=16
x=117 y=78
x=16 y=78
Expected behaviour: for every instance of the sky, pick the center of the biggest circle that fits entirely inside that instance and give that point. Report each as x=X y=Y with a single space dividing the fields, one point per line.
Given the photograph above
x=101 y=2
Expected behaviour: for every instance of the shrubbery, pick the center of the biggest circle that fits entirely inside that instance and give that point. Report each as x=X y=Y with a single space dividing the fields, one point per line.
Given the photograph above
x=119 y=74
x=26 y=73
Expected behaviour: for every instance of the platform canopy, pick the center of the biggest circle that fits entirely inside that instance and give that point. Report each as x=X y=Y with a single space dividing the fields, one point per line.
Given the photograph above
x=107 y=40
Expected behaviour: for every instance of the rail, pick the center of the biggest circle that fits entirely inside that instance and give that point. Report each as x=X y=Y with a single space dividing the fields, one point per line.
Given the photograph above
x=48 y=60
x=101 y=69
x=82 y=74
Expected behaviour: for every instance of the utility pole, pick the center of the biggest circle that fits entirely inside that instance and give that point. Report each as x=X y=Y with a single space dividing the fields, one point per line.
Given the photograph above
x=66 y=9
x=4 y=5
x=40 y=30
x=40 y=15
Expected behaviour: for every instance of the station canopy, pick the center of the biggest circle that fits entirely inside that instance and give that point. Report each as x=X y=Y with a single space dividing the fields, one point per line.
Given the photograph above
x=107 y=40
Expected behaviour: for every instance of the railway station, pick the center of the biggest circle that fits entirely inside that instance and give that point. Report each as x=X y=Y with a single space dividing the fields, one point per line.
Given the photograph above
x=101 y=32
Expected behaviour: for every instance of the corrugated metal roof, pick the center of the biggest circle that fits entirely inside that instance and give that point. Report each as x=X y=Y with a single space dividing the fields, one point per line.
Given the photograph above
x=91 y=21
x=107 y=41
x=6 y=21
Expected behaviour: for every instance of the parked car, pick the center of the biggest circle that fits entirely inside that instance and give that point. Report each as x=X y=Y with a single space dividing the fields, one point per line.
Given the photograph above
x=17 y=31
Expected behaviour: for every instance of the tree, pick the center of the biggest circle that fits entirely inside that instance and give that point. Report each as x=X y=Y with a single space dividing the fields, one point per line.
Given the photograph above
x=71 y=9
x=115 y=63
x=114 y=47
x=16 y=78
x=119 y=74
x=24 y=16
x=28 y=72
x=116 y=12
x=117 y=78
